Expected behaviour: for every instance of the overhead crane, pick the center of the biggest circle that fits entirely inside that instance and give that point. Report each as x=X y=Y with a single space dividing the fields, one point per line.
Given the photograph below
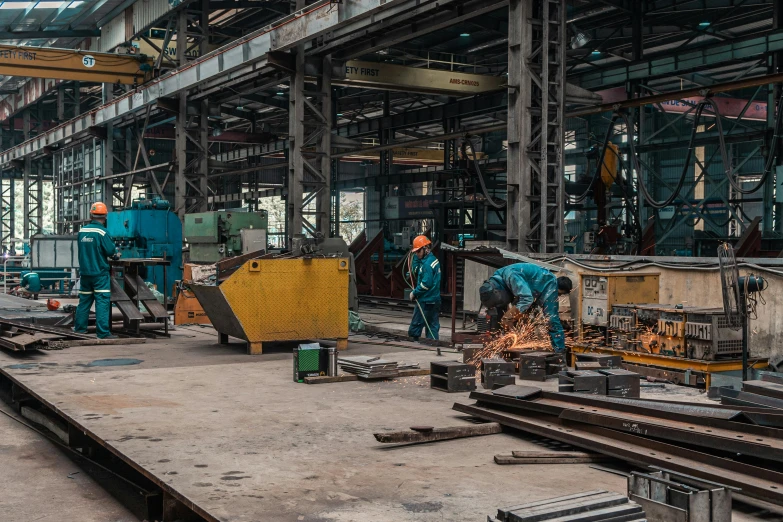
x=70 y=64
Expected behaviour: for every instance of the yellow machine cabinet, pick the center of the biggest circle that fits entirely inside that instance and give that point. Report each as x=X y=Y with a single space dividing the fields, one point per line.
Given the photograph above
x=281 y=300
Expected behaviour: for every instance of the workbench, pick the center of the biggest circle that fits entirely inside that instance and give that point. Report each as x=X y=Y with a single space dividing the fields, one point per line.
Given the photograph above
x=690 y=372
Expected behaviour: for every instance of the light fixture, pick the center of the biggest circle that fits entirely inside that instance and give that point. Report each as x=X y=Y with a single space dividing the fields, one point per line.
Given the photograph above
x=280 y=93
x=339 y=113
x=704 y=24
x=240 y=107
x=464 y=34
x=596 y=52
x=15 y=5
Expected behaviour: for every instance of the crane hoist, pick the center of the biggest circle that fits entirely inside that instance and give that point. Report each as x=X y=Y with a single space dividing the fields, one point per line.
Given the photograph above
x=71 y=64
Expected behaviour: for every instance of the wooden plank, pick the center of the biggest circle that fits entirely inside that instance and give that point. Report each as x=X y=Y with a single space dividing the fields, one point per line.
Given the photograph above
x=323 y=379
x=27 y=341
x=414 y=372
x=452 y=432
x=510 y=459
x=553 y=454
x=59 y=344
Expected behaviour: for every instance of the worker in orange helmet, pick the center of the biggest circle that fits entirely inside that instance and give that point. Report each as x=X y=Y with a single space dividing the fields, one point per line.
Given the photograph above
x=426 y=293
x=95 y=249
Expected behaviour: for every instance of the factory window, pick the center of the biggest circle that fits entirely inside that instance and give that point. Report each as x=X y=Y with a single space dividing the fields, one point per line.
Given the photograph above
x=570 y=139
x=352 y=215
x=570 y=172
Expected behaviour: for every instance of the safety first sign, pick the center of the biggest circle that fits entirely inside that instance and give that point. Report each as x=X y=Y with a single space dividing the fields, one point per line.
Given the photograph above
x=400 y=77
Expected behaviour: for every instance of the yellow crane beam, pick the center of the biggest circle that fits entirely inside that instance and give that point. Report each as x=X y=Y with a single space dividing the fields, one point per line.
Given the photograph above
x=70 y=64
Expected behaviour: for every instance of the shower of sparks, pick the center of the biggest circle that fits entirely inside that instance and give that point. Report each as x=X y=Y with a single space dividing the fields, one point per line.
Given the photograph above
x=530 y=334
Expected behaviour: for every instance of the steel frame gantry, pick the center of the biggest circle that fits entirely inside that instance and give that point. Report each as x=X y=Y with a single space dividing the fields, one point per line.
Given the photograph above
x=536 y=108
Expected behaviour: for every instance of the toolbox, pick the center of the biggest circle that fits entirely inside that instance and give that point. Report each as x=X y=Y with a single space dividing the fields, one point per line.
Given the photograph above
x=452 y=376
x=312 y=360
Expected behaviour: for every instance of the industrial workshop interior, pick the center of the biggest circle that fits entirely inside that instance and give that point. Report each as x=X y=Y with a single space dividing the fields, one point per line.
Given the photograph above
x=391 y=260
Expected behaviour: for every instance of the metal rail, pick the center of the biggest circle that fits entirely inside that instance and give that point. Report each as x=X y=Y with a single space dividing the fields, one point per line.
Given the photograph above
x=755 y=482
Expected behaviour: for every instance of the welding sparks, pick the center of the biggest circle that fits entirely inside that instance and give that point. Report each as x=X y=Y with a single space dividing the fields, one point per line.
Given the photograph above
x=530 y=333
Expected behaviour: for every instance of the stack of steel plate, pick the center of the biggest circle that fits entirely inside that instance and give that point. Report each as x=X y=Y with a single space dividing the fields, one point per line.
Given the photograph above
x=368 y=367
x=587 y=506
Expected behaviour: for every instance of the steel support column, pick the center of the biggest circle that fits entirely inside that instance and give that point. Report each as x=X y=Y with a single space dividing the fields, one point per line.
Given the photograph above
x=310 y=150
x=26 y=173
x=181 y=139
x=203 y=136
x=324 y=148
x=296 y=132
x=535 y=125
x=108 y=152
x=773 y=220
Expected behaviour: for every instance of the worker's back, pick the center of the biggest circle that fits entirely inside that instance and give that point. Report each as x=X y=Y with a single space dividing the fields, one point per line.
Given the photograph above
x=541 y=281
x=95 y=246
x=32 y=282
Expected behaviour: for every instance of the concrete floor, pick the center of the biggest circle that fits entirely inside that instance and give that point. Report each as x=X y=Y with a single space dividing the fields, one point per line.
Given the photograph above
x=234 y=436
x=41 y=483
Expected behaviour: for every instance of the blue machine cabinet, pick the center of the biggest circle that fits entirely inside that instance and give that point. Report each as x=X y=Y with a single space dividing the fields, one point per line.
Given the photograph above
x=150 y=229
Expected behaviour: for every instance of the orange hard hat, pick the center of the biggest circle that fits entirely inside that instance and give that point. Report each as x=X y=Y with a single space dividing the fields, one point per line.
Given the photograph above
x=52 y=304
x=420 y=242
x=99 y=209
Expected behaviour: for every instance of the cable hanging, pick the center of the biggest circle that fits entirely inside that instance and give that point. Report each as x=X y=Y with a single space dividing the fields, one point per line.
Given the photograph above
x=638 y=165
x=728 y=170
x=489 y=199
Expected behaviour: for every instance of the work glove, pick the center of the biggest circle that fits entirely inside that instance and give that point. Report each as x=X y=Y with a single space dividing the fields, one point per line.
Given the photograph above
x=411 y=297
x=511 y=318
x=115 y=257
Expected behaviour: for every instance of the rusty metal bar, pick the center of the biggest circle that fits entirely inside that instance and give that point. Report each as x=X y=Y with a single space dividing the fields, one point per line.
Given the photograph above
x=678 y=95
x=755 y=482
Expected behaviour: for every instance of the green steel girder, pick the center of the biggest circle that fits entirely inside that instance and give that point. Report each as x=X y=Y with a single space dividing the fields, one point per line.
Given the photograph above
x=682 y=61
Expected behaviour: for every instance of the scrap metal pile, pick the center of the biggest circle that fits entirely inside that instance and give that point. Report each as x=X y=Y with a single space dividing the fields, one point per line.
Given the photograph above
x=21 y=336
x=734 y=445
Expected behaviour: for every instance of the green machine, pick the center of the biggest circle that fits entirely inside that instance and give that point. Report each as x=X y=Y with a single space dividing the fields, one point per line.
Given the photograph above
x=213 y=236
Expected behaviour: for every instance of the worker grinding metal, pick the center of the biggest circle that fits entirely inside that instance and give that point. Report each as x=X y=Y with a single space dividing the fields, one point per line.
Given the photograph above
x=29 y=286
x=95 y=248
x=526 y=285
x=426 y=294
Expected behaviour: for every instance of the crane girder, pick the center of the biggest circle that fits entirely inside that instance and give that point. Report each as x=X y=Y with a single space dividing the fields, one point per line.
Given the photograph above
x=70 y=64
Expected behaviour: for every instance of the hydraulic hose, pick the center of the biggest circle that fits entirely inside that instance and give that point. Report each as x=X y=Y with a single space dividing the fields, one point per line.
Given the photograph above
x=598 y=166
x=484 y=190
x=638 y=166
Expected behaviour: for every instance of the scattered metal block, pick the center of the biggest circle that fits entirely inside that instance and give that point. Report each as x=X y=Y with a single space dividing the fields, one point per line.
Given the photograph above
x=452 y=376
